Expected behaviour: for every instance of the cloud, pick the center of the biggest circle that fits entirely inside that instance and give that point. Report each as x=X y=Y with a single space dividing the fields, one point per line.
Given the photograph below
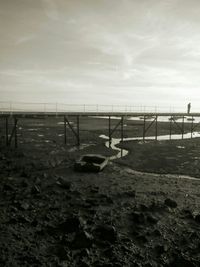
x=50 y=9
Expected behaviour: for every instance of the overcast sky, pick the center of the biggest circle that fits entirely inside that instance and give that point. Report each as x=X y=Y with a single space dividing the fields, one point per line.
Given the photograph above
x=100 y=51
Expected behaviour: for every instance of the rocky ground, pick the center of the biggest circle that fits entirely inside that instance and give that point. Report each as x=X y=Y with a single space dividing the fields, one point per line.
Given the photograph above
x=51 y=215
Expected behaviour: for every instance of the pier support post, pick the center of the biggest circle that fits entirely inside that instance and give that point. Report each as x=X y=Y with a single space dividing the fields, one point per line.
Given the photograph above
x=192 y=126
x=78 y=130
x=65 y=131
x=170 y=128
x=109 y=131
x=156 y=134
x=122 y=128
x=144 y=128
x=15 y=127
x=183 y=127
x=6 y=121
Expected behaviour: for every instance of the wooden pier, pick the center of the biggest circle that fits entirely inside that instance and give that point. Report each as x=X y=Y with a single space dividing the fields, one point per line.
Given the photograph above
x=11 y=135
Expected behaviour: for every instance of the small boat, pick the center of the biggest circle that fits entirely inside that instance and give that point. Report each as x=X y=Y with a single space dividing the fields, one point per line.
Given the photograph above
x=91 y=163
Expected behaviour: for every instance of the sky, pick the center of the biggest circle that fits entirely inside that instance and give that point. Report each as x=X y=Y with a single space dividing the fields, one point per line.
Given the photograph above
x=125 y=52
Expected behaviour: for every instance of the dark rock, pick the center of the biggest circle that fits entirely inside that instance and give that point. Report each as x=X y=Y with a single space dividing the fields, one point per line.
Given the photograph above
x=8 y=187
x=170 y=203
x=35 y=190
x=156 y=232
x=60 y=251
x=63 y=183
x=152 y=219
x=94 y=190
x=82 y=240
x=138 y=217
x=142 y=238
x=106 y=233
x=129 y=193
x=71 y=225
x=179 y=261
x=160 y=249
x=197 y=218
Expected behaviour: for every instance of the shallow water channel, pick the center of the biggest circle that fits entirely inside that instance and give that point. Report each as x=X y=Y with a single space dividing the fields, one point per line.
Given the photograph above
x=123 y=152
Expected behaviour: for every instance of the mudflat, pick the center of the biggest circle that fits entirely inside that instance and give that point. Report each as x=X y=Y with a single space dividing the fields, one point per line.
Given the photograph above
x=138 y=212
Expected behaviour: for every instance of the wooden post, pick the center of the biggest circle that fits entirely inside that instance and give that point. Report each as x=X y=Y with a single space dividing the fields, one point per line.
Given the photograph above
x=144 y=128
x=156 y=137
x=15 y=121
x=122 y=128
x=78 y=131
x=65 y=131
x=6 y=131
x=183 y=127
x=192 y=126
x=109 y=130
x=170 y=128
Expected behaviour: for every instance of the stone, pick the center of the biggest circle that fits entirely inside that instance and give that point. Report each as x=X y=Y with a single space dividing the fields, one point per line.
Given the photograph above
x=138 y=217
x=63 y=183
x=107 y=233
x=82 y=240
x=72 y=224
x=170 y=203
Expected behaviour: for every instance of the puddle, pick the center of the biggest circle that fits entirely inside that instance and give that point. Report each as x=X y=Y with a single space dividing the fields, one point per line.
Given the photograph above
x=187 y=119
x=33 y=130
x=62 y=122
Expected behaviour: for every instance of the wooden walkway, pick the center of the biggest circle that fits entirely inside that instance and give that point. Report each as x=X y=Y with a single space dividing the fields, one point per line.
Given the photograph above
x=11 y=134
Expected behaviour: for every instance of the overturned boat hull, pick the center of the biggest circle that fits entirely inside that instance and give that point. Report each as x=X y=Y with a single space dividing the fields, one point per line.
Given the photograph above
x=91 y=163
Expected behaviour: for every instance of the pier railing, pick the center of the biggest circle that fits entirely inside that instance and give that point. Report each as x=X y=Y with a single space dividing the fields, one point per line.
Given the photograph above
x=11 y=107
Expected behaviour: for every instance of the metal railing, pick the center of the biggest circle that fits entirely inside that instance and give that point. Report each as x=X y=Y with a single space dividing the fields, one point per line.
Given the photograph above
x=11 y=106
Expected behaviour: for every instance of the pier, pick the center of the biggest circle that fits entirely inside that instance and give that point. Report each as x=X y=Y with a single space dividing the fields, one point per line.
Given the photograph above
x=10 y=120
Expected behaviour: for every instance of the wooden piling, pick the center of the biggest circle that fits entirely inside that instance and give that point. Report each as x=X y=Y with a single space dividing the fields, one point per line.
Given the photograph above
x=15 y=125
x=109 y=131
x=170 y=128
x=65 y=131
x=122 y=128
x=183 y=127
x=156 y=126
x=78 y=130
x=7 y=142
x=144 y=128
x=192 y=126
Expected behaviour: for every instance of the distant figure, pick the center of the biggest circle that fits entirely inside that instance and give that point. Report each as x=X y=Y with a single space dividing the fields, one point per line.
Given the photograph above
x=188 y=108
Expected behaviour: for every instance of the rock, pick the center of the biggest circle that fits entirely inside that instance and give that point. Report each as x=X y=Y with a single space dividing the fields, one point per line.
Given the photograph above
x=24 y=206
x=71 y=225
x=170 y=203
x=95 y=189
x=35 y=190
x=82 y=240
x=106 y=233
x=8 y=187
x=138 y=217
x=152 y=219
x=60 y=251
x=63 y=183
x=180 y=261
x=130 y=194
x=197 y=218
x=160 y=249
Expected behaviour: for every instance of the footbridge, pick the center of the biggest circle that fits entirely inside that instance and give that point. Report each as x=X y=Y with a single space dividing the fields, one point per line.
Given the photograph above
x=116 y=115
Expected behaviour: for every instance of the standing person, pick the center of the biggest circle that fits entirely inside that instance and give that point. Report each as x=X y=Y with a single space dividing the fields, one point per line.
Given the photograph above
x=188 y=108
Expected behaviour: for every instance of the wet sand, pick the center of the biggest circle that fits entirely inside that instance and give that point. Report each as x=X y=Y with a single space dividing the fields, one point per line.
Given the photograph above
x=53 y=216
